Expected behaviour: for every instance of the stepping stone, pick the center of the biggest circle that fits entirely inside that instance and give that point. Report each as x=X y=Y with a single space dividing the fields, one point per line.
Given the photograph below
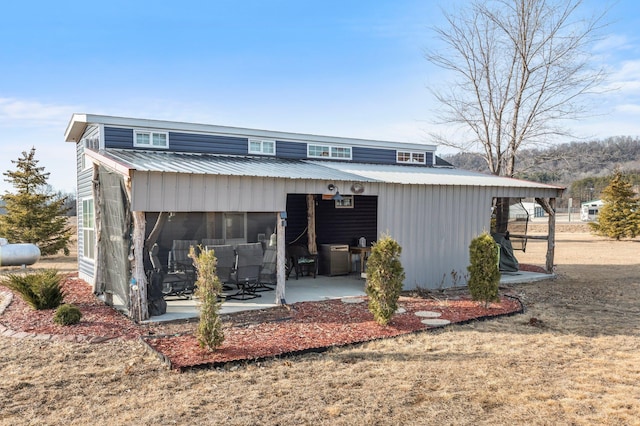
x=428 y=314
x=351 y=300
x=401 y=311
x=436 y=322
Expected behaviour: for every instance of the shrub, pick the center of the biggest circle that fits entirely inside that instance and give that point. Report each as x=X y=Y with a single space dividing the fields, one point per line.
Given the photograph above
x=41 y=290
x=384 y=279
x=209 y=333
x=484 y=271
x=67 y=315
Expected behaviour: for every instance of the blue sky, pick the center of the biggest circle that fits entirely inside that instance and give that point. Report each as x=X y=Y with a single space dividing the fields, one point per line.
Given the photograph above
x=350 y=68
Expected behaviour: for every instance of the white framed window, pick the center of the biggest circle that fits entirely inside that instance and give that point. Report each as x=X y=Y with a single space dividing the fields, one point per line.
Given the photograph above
x=262 y=146
x=150 y=139
x=327 y=151
x=410 y=157
x=88 y=229
x=345 y=203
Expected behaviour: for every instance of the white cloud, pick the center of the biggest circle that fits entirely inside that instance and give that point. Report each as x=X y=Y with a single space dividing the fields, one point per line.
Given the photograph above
x=17 y=111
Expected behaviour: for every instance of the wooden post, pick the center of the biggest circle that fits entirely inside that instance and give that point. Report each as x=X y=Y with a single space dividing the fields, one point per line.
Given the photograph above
x=550 y=208
x=138 y=308
x=311 y=224
x=551 y=242
x=281 y=260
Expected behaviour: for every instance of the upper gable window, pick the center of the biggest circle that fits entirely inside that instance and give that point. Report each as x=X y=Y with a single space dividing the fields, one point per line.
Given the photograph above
x=261 y=146
x=150 y=139
x=410 y=157
x=326 y=151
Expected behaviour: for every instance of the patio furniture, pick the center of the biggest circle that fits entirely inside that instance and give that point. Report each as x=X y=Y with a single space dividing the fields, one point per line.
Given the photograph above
x=247 y=274
x=268 y=271
x=301 y=261
x=212 y=242
x=226 y=263
x=179 y=255
x=174 y=283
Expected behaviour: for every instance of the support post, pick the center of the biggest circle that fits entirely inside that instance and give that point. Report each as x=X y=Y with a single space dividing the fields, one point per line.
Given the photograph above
x=139 y=309
x=551 y=242
x=281 y=260
x=311 y=224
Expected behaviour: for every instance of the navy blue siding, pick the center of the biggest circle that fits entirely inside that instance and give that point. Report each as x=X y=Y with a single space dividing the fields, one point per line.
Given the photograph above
x=115 y=137
x=373 y=155
x=208 y=144
x=211 y=144
x=294 y=150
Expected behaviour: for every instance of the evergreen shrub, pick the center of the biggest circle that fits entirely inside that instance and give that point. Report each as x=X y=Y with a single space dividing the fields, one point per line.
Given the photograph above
x=385 y=276
x=67 y=315
x=209 y=288
x=41 y=290
x=484 y=271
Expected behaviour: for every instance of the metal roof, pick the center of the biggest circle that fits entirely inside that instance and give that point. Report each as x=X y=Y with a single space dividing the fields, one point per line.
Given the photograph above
x=272 y=167
x=407 y=174
x=216 y=164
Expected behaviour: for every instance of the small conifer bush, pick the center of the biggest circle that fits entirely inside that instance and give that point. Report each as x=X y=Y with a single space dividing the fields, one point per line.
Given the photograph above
x=385 y=275
x=41 y=290
x=67 y=315
x=209 y=288
x=484 y=271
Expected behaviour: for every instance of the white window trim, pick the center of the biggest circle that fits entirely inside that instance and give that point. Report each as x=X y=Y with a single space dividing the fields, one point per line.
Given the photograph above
x=92 y=228
x=330 y=156
x=411 y=154
x=262 y=143
x=136 y=132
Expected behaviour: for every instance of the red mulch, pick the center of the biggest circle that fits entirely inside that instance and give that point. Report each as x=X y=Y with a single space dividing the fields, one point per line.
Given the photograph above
x=250 y=335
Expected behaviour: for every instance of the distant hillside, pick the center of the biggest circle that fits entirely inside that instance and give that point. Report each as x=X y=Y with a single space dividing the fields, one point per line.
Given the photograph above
x=567 y=163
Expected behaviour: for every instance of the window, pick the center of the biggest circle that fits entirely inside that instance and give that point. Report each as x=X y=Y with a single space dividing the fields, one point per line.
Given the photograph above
x=259 y=146
x=345 y=203
x=149 y=139
x=410 y=157
x=88 y=229
x=326 y=151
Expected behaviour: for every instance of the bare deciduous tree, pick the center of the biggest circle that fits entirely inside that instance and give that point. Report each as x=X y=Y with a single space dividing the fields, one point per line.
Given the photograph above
x=521 y=68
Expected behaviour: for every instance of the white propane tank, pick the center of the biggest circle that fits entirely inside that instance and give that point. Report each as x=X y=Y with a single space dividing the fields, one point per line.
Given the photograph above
x=18 y=254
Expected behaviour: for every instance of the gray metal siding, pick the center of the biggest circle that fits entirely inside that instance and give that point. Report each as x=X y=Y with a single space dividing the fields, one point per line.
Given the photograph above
x=434 y=225
x=179 y=192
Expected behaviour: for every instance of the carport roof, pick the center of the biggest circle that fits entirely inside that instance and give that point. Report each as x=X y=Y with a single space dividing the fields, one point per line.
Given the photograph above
x=126 y=160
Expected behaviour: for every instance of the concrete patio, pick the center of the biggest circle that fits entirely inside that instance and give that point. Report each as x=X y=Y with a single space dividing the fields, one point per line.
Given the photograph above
x=307 y=289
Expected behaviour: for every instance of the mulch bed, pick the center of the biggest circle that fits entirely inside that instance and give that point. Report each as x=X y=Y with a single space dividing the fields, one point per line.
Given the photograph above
x=251 y=335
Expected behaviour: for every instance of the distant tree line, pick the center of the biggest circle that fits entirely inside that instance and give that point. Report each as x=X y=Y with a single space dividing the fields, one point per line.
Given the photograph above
x=584 y=168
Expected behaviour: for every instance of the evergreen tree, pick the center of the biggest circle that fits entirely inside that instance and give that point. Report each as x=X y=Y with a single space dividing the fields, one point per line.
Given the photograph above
x=34 y=215
x=620 y=215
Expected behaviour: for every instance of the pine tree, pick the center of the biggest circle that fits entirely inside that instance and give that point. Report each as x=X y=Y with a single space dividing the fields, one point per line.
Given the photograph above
x=619 y=217
x=33 y=214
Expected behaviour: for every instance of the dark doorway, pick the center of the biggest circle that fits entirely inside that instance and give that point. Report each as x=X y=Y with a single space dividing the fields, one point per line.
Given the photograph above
x=335 y=224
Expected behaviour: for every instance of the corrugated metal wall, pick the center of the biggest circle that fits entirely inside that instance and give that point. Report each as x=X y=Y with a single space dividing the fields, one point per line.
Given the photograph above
x=434 y=225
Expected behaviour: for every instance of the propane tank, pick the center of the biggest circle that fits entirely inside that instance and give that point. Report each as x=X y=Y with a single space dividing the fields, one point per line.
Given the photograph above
x=18 y=254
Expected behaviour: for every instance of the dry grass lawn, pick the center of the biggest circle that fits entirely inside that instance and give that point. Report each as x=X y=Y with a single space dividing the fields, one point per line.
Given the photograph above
x=572 y=358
